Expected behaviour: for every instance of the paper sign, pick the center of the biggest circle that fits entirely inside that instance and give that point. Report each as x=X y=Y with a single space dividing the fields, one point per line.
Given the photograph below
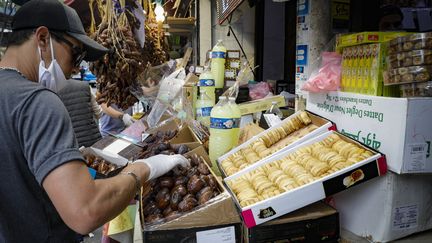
x=272 y=119
x=417 y=154
x=405 y=217
x=116 y=146
x=222 y=235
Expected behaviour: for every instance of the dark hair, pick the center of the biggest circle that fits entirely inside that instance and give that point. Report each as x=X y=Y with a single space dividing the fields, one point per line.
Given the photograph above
x=18 y=37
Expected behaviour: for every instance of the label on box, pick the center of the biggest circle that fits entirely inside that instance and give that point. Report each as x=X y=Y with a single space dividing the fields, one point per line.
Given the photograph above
x=234 y=54
x=235 y=64
x=405 y=217
x=224 y=123
x=417 y=154
x=116 y=146
x=351 y=178
x=223 y=235
x=230 y=74
x=272 y=119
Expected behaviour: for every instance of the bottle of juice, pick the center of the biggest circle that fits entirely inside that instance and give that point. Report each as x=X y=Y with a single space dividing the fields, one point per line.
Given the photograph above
x=218 y=56
x=236 y=115
x=203 y=106
x=207 y=83
x=221 y=124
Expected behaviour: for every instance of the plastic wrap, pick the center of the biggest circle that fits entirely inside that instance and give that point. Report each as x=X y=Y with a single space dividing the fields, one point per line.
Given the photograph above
x=411 y=42
x=328 y=77
x=411 y=74
x=169 y=91
x=410 y=58
x=423 y=89
x=244 y=75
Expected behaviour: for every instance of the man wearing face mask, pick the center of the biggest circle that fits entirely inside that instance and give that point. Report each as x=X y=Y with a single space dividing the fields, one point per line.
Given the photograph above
x=46 y=191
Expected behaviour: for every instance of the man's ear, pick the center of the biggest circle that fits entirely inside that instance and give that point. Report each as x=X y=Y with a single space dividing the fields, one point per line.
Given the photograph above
x=42 y=37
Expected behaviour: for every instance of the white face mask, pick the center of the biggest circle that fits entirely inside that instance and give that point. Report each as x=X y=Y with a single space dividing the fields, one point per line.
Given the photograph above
x=53 y=76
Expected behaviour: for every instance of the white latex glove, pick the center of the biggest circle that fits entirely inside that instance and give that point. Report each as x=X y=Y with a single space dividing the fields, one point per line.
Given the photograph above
x=161 y=164
x=127 y=119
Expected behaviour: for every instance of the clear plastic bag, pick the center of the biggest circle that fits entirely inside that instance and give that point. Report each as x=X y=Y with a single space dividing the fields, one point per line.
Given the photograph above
x=245 y=74
x=170 y=89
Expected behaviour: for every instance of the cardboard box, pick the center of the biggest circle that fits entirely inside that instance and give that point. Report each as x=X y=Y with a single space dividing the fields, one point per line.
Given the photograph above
x=388 y=208
x=220 y=210
x=190 y=90
x=324 y=125
x=317 y=222
x=261 y=104
x=215 y=233
x=289 y=201
x=345 y=40
x=398 y=127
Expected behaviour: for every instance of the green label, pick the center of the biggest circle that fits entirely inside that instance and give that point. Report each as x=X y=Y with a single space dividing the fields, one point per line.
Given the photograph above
x=369 y=139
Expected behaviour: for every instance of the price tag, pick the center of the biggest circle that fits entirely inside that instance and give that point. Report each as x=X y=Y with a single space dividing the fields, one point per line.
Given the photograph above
x=417 y=154
x=222 y=235
x=272 y=119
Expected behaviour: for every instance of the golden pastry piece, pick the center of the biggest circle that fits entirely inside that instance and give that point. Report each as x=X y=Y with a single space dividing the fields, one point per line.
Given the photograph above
x=319 y=169
x=282 y=133
x=305 y=118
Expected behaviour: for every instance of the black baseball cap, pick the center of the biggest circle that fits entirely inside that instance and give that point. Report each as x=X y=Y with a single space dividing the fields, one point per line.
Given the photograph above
x=56 y=17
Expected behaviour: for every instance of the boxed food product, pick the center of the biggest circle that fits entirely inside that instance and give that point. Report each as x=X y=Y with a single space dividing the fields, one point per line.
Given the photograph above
x=411 y=42
x=345 y=40
x=261 y=104
x=410 y=58
x=187 y=198
x=317 y=222
x=293 y=130
x=396 y=206
x=307 y=173
x=362 y=68
x=411 y=74
x=423 y=89
x=398 y=127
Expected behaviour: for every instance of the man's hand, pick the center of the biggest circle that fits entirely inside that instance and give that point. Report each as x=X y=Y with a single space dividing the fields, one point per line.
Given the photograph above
x=161 y=164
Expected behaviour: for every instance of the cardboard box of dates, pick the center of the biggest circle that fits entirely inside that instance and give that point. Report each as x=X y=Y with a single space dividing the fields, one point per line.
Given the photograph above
x=187 y=198
x=307 y=173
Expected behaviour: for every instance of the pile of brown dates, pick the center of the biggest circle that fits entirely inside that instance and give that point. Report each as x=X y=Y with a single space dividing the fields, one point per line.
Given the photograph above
x=99 y=164
x=179 y=191
x=158 y=143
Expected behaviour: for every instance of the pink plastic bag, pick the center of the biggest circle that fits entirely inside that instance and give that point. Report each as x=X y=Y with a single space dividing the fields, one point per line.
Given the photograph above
x=259 y=90
x=328 y=76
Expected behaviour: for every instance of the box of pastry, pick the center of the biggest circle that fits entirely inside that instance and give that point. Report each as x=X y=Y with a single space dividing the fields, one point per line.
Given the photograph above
x=307 y=173
x=293 y=130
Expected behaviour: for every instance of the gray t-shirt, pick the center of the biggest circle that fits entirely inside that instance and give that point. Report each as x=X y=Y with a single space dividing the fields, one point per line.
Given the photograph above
x=36 y=137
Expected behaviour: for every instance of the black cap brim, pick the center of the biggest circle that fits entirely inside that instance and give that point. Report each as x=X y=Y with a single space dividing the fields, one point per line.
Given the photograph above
x=94 y=50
